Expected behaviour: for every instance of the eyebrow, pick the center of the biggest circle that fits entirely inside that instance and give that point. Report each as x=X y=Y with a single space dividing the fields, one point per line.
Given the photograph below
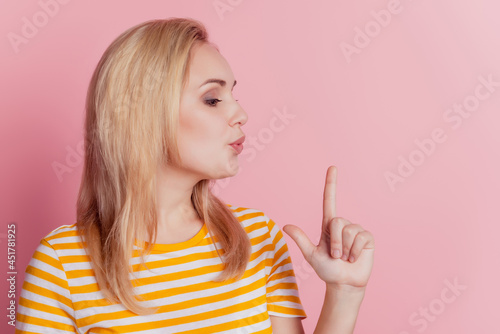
x=219 y=81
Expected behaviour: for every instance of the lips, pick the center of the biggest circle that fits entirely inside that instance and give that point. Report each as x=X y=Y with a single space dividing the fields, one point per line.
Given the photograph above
x=238 y=144
x=237 y=147
x=239 y=141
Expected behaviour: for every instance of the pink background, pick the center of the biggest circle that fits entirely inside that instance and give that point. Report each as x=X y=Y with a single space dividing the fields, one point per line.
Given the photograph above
x=363 y=113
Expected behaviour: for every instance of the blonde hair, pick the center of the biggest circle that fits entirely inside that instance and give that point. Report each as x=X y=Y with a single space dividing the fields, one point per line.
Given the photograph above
x=132 y=112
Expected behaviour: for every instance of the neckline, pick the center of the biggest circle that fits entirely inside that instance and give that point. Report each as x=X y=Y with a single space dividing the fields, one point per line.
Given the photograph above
x=200 y=235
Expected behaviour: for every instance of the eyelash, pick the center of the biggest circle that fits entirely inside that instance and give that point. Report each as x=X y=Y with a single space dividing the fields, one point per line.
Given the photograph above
x=212 y=100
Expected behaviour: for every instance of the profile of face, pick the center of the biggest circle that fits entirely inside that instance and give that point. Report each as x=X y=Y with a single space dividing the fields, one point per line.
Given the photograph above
x=209 y=117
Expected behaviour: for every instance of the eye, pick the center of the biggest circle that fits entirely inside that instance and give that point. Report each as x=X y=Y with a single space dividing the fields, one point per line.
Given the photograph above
x=212 y=102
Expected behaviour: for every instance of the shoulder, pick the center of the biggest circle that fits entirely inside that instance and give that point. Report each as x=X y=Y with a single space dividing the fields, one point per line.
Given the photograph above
x=248 y=215
x=63 y=238
x=252 y=219
x=53 y=250
x=63 y=232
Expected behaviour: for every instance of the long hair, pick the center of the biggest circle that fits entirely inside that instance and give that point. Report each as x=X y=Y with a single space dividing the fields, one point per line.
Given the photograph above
x=132 y=112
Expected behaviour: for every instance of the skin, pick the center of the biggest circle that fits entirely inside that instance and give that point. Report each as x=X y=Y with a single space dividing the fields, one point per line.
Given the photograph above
x=343 y=259
x=206 y=127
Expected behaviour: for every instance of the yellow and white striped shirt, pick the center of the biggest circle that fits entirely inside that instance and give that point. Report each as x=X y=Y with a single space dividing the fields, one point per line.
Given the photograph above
x=60 y=293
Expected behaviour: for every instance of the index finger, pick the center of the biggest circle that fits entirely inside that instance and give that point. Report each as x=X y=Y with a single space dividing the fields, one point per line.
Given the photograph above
x=329 y=206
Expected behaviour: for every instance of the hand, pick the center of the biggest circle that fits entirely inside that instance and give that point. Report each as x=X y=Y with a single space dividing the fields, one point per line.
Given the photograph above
x=340 y=240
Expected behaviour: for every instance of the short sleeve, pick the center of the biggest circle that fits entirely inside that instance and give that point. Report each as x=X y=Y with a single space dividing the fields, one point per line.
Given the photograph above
x=282 y=292
x=45 y=304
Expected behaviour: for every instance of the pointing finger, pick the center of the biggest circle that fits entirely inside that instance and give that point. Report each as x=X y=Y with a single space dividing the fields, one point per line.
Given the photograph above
x=329 y=194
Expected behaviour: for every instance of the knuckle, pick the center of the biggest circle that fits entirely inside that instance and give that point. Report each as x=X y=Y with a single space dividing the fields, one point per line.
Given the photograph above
x=362 y=237
x=336 y=244
x=365 y=235
x=344 y=221
x=337 y=220
x=349 y=232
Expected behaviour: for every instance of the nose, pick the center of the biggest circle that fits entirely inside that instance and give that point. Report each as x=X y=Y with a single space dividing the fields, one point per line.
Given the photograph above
x=240 y=116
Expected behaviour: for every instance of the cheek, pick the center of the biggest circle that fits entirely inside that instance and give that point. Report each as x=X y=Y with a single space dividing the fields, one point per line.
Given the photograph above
x=189 y=129
x=201 y=133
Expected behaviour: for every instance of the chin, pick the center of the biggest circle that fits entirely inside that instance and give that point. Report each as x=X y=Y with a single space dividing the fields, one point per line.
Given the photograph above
x=229 y=173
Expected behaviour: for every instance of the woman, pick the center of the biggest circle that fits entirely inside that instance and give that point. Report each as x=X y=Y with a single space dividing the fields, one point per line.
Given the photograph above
x=153 y=250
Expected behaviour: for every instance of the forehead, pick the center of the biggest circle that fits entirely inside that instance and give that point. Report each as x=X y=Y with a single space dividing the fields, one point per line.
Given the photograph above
x=207 y=63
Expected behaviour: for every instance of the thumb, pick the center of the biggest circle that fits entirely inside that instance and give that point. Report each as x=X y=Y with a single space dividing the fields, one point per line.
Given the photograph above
x=301 y=239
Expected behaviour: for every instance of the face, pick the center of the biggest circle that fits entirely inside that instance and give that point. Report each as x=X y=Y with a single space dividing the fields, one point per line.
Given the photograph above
x=209 y=117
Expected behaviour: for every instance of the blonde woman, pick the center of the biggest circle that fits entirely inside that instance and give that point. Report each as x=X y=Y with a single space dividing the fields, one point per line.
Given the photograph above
x=153 y=250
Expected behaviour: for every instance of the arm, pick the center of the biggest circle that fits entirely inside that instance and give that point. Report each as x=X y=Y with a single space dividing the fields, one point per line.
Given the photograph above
x=343 y=259
x=284 y=306
x=45 y=304
x=338 y=315
x=340 y=310
x=282 y=325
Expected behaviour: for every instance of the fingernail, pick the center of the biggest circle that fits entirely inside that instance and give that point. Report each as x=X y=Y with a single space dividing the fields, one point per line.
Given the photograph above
x=336 y=253
x=344 y=257
x=351 y=258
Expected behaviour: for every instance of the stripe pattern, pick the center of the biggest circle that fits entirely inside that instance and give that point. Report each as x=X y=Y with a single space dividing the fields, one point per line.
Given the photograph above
x=60 y=293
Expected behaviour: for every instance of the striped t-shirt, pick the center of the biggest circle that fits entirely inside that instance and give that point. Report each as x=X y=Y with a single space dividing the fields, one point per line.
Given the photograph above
x=60 y=293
